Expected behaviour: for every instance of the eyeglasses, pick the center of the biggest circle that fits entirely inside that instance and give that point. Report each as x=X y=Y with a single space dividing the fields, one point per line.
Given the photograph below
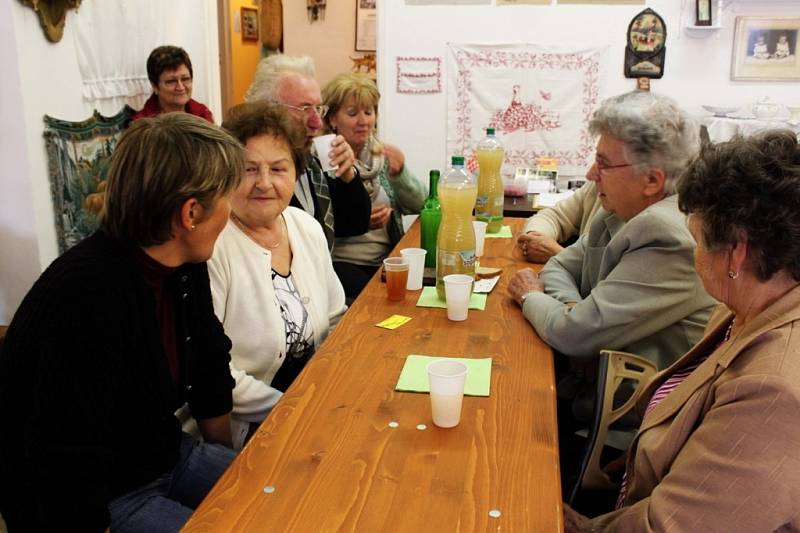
x=602 y=168
x=186 y=81
x=320 y=110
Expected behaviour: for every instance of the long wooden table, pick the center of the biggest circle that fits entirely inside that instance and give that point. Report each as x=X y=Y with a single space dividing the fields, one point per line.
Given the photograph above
x=326 y=459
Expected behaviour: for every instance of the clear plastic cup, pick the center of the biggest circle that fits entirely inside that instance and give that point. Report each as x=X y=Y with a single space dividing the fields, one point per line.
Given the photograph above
x=480 y=236
x=416 y=266
x=396 y=276
x=447 y=379
x=323 y=147
x=457 y=290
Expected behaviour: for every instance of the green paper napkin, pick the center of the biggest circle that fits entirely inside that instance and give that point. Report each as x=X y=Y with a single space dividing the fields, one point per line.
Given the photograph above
x=414 y=376
x=504 y=233
x=429 y=298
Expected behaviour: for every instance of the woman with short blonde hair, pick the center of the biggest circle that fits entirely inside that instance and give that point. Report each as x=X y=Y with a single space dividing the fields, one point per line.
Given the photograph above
x=115 y=336
x=193 y=160
x=394 y=191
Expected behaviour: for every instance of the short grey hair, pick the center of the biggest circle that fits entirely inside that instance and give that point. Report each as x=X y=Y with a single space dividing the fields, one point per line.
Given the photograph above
x=655 y=131
x=269 y=71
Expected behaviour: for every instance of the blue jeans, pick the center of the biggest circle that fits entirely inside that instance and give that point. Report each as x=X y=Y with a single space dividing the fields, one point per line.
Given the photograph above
x=166 y=503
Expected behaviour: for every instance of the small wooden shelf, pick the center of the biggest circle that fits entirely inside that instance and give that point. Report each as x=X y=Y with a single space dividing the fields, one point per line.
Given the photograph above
x=701 y=31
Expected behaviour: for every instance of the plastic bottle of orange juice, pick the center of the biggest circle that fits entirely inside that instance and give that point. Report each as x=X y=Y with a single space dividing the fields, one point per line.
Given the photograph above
x=489 y=204
x=456 y=242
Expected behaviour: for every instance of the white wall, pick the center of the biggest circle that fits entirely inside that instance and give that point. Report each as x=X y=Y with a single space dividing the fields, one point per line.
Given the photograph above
x=696 y=69
x=19 y=250
x=40 y=77
x=331 y=42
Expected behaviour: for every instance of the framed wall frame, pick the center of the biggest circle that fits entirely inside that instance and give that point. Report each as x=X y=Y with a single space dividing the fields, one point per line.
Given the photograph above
x=249 y=16
x=765 y=49
x=366 y=25
x=702 y=13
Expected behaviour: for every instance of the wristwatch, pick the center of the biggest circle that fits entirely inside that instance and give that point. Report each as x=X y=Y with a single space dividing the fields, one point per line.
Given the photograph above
x=524 y=297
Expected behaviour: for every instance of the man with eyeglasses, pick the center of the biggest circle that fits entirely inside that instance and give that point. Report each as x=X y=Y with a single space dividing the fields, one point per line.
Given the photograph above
x=170 y=72
x=629 y=283
x=338 y=201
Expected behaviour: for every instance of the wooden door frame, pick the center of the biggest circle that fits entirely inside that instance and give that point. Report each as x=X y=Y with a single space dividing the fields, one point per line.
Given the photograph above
x=225 y=55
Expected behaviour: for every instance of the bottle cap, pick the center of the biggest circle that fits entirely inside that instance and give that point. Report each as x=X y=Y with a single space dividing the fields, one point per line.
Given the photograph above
x=489 y=131
x=458 y=160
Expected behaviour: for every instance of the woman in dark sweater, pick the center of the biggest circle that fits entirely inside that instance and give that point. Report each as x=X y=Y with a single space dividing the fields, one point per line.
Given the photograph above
x=116 y=335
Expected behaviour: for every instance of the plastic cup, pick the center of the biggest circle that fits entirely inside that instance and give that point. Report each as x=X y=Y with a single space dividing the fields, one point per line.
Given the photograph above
x=396 y=276
x=480 y=236
x=323 y=147
x=457 y=290
x=416 y=266
x=446 y=378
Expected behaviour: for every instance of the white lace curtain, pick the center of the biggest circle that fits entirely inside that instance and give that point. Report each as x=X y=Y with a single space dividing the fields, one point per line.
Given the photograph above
x=114 y=37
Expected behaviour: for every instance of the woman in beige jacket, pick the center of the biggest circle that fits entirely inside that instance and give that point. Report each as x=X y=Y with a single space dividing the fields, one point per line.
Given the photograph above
x=719 y=445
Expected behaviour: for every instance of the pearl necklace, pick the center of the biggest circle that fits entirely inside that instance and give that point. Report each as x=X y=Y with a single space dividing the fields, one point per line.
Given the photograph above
x=250 y=233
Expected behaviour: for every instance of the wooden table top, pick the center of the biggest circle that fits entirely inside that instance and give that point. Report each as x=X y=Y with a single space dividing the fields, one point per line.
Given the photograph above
x=326 y=458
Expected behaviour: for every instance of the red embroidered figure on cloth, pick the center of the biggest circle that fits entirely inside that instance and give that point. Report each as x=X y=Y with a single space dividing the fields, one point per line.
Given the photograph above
x=527 y=117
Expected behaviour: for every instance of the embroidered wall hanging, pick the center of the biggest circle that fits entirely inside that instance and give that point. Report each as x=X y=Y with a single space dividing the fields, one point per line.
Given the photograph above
x=538 y=99
x=419 y=75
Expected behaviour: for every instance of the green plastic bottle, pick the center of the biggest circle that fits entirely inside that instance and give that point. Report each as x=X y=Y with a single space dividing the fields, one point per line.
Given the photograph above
x=429 y=217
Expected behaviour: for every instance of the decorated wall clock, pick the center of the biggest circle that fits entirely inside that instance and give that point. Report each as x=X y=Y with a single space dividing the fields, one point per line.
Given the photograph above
x=645 y=50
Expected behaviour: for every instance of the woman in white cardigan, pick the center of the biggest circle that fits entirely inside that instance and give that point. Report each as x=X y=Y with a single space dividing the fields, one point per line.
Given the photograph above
x=272 y=281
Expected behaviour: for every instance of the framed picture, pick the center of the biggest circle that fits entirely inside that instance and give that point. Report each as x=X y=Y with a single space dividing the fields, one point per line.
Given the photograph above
x=249 y=24
x=366 y=24
x=601 y=2
x=702 y=13
x=765 y=48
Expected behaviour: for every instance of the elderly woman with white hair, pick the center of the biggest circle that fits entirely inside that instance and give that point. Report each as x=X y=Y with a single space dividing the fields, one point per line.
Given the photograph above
x=628 y=283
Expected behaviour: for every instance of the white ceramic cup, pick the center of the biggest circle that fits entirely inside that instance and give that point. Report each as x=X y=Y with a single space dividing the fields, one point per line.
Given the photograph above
x=480 y=235
x=446 y=378
x=323 y=146
x=457 y=290
x=416 y=266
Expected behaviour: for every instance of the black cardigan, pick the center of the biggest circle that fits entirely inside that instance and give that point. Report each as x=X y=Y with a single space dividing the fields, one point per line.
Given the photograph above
x=86 y=398
x=349 y=202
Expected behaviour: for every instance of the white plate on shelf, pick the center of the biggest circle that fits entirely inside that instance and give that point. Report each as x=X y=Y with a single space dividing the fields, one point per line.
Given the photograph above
x=720 y=111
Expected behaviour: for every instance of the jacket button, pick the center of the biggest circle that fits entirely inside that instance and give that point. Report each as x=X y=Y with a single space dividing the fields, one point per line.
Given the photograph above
x=184 y=295
x=184 y=278
x=188 y=338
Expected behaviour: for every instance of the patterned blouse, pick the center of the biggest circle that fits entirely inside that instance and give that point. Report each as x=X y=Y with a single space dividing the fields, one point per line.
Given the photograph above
x=298 y=329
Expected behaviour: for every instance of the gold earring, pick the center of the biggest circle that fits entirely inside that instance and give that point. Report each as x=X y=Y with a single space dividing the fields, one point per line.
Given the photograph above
x=732 y=274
